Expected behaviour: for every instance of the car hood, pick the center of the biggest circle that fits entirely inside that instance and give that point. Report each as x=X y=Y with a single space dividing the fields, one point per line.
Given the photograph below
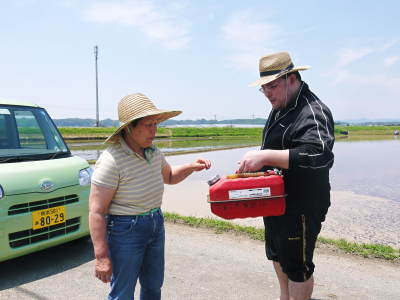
x=40 y=176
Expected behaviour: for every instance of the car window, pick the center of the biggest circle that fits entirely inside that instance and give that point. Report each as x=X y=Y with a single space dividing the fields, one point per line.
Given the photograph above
x=30 y=133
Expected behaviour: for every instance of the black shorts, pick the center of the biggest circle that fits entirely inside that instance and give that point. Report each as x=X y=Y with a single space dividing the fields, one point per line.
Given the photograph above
x=290 y=240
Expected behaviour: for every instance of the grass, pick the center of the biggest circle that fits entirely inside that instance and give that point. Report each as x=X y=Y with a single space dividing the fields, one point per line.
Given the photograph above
x=71 y=132
x=103 y=132
x=217 y=225
x=211 y=131
x=367 y=130
x=365 y=250
x=87 y=132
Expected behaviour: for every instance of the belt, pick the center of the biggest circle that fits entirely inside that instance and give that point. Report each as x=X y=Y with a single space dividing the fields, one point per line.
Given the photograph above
x=149 y=212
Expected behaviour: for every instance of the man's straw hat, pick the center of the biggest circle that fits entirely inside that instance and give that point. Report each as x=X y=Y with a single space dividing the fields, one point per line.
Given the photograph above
x=275 y=65
x=136 y=106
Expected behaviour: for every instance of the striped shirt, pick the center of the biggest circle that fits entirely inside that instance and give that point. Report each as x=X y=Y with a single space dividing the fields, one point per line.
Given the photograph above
x=138 y=182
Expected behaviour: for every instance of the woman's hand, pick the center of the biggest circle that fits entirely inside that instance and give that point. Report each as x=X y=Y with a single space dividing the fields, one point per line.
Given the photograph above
x=175 y=174
x=103 y=269
x=201 y=164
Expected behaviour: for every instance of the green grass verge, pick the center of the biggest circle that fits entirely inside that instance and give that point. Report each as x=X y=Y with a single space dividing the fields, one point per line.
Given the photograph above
x=367 y=130
x=69 y=132
x=102 y=132
x=365 y=250
x=217 y=225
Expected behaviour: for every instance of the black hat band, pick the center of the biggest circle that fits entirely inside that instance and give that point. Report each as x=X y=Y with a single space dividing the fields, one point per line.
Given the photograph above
x=268 y=73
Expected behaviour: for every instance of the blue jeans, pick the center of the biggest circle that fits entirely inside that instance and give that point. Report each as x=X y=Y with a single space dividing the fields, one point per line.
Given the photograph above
x=136 y=245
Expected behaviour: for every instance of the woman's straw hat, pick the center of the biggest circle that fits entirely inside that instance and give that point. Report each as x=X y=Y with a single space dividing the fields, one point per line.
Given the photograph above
x=274 y=66
x=136 y=106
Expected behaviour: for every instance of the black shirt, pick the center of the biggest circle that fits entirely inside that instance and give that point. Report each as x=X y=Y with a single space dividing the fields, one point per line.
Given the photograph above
x=305 y=127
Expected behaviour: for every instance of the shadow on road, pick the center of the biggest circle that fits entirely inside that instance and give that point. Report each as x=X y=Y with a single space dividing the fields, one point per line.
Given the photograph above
x=45 y=263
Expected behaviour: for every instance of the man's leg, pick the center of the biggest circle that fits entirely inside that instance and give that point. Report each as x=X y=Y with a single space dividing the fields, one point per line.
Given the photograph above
x=291 y=290
x=295 y=243
x=301 y=290
x=283 y=281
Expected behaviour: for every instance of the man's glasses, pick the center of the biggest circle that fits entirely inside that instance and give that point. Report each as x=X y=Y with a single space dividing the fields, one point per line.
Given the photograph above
x=270 y=86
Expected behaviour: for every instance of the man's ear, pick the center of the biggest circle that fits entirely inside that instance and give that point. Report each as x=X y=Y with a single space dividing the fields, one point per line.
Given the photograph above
x=291 y=77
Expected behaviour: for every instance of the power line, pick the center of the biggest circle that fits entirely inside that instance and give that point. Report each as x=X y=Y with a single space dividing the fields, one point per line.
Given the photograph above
x=96 y=51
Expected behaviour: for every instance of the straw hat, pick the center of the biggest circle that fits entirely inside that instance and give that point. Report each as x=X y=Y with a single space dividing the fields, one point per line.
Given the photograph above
x=136 y=106
x=274 y=66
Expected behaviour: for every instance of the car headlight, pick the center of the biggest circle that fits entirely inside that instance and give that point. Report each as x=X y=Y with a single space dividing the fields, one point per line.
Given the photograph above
x=1 y=192
x=85 y=176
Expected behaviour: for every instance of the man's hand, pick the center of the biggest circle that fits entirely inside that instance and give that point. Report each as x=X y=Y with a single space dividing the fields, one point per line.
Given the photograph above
x=103 y=269
x=252 y=161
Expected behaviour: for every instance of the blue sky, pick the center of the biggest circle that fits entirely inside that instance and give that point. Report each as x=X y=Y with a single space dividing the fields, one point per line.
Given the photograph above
x=198 y=56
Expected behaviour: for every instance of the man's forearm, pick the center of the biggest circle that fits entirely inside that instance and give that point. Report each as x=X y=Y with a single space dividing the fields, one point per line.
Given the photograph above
x=276 y=158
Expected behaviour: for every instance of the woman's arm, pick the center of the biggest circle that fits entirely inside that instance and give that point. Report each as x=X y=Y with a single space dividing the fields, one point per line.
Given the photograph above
x=99 y=201
x=175 y=174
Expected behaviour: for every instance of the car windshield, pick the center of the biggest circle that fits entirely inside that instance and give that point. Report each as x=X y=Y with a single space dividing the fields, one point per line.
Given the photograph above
x=28 y=133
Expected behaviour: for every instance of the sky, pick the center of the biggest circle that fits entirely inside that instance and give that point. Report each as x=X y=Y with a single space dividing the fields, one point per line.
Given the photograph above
x=198 y=56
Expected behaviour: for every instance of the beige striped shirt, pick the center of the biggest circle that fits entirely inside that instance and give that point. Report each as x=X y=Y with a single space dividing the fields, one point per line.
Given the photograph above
x=138 y=183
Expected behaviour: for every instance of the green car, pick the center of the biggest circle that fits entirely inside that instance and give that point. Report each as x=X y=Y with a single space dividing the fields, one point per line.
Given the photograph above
x=44 y=190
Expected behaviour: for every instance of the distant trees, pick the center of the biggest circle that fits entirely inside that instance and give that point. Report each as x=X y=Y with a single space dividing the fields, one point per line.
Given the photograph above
x=76 y=122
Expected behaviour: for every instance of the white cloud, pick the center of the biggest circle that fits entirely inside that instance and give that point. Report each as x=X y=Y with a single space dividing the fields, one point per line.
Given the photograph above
x=389 y=44
x=391 y=60
x=348 y=56
x=248 y=38
x=24 y=3
x=379 y=79
x=345 y=67
x=153 y=21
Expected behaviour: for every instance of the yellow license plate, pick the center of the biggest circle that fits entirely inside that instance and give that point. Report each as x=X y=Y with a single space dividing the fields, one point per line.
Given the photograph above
x=48 y=217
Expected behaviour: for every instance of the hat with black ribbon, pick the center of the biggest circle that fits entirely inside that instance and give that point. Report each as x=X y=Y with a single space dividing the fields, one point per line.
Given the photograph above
x=136 y=106
x=276 y=65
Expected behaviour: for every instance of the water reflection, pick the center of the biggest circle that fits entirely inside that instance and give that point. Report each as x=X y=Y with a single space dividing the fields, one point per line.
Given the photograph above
x=91 y=150
x=368 y=167
x=363 y=166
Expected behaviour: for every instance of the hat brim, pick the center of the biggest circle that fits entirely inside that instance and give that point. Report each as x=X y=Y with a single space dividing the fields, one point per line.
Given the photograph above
x=163 y=116
x=267 y=79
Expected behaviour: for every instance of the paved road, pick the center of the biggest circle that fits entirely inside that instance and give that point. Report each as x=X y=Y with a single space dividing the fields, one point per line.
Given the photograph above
x=200 y=265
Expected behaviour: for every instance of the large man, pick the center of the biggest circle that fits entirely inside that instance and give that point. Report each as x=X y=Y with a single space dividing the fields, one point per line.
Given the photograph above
x=298 y=139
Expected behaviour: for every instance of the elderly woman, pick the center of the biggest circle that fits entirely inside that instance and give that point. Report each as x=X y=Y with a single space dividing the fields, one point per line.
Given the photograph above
x=125 y=219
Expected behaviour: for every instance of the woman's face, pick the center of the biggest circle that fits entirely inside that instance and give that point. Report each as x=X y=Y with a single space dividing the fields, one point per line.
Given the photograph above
x=143 y=134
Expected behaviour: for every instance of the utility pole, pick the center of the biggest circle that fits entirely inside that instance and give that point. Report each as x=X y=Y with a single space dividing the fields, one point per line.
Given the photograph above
x=96 y=51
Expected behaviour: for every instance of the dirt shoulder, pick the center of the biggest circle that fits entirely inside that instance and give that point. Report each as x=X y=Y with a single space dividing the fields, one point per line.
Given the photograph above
x=200 y=264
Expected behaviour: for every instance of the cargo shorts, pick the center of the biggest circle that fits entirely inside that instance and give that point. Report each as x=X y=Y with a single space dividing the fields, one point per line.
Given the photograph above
x=290 y=240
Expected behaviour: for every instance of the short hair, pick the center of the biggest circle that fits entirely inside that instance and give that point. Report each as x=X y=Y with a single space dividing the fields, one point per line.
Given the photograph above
x=135 y=122
x=132 y=124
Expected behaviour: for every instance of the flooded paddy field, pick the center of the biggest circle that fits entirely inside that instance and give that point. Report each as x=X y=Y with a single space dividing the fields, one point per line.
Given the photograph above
x=368 y=165
x=91 y=149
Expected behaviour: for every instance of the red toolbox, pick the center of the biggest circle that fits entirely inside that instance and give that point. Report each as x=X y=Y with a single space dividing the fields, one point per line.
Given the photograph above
x=247 y=195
